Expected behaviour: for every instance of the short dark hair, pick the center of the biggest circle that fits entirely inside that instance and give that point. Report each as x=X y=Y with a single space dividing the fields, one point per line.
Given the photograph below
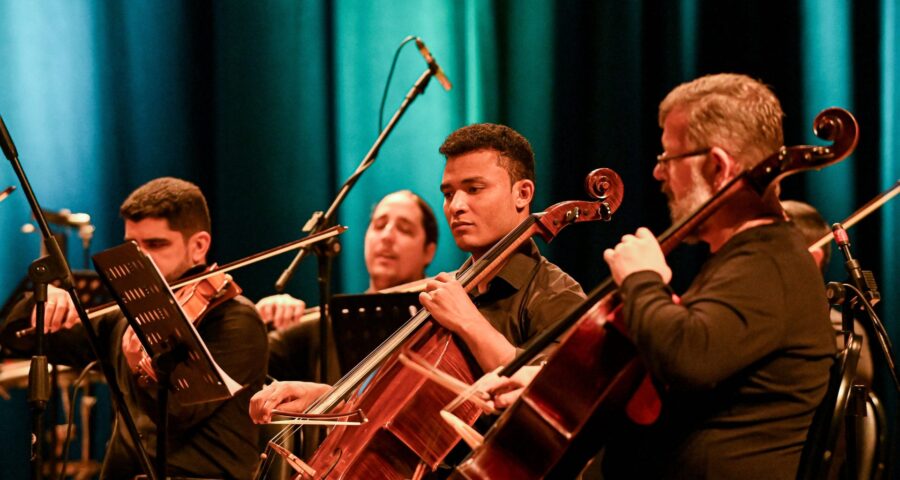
x=178 y=201
x=811 y=225
x=429 y=221
x=516 y=155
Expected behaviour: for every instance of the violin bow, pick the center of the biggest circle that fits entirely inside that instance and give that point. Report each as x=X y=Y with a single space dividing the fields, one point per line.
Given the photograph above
x=863 y=212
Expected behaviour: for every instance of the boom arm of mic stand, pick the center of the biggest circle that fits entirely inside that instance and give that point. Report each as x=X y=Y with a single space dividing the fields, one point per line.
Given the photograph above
x=323 y=221
x=54 y=266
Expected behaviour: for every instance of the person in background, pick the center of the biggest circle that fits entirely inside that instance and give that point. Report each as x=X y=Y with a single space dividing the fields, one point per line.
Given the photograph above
x=400 y=243
x=488 y=185
x=813 y=227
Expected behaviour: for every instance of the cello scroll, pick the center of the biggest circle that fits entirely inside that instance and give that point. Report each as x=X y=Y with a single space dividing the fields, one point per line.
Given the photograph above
x=834 y=124
x=604 y=185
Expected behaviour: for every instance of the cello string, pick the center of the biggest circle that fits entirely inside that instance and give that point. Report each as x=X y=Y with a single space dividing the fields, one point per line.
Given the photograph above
x=363 y=369
x=389 y=346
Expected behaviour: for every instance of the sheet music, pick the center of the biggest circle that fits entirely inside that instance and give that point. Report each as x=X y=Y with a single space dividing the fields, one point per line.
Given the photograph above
x=158 y=320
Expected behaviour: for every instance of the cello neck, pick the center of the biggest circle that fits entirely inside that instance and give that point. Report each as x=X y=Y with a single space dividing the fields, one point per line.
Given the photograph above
x=476 y=273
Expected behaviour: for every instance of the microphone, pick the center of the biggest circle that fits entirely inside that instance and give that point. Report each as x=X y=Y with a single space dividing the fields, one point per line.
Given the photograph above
x=6 y=191
x=863 y=280
x=9 y=148
x=432 y=64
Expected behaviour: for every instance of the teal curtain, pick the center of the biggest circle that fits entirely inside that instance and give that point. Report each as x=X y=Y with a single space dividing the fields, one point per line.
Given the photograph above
x=828 y=82
x=269 y=106
x=360 y=69
x=889 y=96
x=273 y=149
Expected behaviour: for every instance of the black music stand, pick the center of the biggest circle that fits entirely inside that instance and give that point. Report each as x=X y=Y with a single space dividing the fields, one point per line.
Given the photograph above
x=181 y=360
x=362 y=322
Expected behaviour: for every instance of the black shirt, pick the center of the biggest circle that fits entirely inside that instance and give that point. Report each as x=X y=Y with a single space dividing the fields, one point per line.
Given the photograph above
x=745 y=360
x=215 y=439
x=528 y=295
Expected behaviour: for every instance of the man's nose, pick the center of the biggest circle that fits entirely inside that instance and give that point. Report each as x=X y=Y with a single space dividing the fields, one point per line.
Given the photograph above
x=389 y=233
x=659 y=172
x=458 y=202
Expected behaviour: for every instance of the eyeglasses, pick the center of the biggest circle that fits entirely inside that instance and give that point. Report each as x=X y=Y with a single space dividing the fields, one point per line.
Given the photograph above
x=664 y=159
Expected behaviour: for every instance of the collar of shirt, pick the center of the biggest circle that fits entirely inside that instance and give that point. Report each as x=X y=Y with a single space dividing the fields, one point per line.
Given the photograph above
x=517 y=271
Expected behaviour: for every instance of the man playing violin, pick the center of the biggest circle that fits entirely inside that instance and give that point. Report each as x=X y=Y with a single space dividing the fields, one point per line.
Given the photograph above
x=488 y=185
x=399 y=244
x=169 y=220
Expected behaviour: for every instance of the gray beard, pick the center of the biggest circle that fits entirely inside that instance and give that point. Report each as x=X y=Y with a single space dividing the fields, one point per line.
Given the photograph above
x=697 y=196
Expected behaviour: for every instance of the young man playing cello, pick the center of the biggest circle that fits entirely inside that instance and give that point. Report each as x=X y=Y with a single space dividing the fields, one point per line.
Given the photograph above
x=488 y=185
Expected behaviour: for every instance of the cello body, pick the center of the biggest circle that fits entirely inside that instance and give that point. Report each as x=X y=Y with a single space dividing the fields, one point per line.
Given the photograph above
x=401 y=434
x=398 y=402
x=560 y=437
x=595 y=378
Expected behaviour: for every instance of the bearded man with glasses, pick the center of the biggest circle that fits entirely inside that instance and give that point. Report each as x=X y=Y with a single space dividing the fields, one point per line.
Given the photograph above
x=745 y=354
x=742 y=360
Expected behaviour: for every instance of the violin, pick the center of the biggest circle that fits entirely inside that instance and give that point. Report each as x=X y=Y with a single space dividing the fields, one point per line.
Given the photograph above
x=196 y=300
x=223 y=282
x=389 y=414
x=595 y=376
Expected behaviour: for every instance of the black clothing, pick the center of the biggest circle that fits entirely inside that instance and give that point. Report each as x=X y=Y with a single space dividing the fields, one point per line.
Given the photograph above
x=528 y=295
x=745 y=359
x=294 y=353
x=215 y=440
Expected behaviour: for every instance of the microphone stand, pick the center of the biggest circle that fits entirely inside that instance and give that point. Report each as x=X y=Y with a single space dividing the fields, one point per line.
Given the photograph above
x=42 y=272
x=857 y=299
x=325 y=251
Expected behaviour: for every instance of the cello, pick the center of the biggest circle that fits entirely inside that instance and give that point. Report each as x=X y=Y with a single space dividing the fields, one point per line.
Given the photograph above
x=394 y=429
x=595 y=376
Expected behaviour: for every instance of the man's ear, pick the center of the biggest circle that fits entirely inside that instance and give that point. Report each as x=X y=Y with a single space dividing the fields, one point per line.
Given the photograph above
x=720 y=168
x=198 y=246
x=524 y=190
x=430 y=250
